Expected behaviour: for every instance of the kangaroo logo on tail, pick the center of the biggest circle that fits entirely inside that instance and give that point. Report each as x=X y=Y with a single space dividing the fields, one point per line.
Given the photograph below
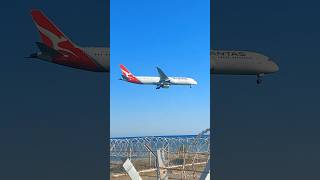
x=127 y=75
x=51 y=35
x=65 y=51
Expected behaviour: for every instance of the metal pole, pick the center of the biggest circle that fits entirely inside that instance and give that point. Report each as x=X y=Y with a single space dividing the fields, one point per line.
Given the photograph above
x=184 y=161
x=156 y=157
x=150 y=160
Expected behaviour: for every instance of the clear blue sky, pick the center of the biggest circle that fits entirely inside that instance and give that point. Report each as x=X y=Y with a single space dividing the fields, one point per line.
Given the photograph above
x=174 y=35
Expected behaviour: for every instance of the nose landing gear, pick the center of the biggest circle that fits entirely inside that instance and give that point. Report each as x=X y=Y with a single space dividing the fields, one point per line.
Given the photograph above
x=259 y=78
x=259 y=81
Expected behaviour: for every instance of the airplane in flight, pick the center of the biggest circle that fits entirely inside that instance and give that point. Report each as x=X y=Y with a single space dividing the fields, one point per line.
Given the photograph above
x=57 y=48
x=163 y=81
x=241 y=63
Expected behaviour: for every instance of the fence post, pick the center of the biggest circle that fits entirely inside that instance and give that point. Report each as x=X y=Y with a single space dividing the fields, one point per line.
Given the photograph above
x=130 y=155
x=184 y=161
x=150 y=160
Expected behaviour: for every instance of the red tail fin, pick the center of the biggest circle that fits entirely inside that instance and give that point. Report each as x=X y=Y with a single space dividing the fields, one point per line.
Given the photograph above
x=128 y=75
x=125 y=71
x=49 y=33
x=70 y=54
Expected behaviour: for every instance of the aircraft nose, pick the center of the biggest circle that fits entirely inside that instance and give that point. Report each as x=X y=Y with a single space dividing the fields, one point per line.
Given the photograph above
x=274 y=67
x=271 y=67
x=194 y=82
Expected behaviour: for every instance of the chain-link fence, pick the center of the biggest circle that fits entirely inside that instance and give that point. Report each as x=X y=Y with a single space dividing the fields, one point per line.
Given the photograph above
x=185 y=156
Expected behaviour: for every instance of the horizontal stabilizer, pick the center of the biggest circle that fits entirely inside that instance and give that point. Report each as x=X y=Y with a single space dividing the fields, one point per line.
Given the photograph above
x=48 y=50
x=33 y=55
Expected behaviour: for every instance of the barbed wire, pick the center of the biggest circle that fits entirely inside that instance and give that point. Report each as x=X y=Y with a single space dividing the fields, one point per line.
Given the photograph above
x=185 y=156
x=134 y=146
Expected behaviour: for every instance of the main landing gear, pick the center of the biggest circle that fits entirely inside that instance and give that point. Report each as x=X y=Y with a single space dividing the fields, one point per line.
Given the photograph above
x=259 y=78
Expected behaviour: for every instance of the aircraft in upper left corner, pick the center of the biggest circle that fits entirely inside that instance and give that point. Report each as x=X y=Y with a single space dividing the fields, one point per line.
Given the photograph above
x=55 y=47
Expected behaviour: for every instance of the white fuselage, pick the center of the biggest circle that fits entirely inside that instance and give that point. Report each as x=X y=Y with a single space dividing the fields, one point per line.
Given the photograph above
x=241 y=63
x=101 y=55
x=172 y=80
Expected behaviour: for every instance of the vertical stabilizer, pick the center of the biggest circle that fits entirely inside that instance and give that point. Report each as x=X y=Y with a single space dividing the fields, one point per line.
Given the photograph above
x=50 y=34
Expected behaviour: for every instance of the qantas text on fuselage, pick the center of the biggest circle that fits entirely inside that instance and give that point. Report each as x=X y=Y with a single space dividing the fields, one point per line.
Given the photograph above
x=162 y=81
x=55 y=47
x=241 y=63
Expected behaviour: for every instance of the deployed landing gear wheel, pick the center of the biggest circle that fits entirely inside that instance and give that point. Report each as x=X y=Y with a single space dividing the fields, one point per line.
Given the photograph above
x=259 y=81
x=259 y=78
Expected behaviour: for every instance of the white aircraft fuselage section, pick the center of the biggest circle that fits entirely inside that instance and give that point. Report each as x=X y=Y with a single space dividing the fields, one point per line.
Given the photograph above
x=173 y=80
x=241 y=63
x=101 y=55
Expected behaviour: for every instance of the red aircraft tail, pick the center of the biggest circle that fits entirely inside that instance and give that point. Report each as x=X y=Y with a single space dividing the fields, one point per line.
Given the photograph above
x=126 y=74
x=49 y=32
x=66 y=52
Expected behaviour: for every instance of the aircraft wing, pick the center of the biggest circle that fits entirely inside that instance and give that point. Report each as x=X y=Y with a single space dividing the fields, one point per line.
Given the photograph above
x=162 y=75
